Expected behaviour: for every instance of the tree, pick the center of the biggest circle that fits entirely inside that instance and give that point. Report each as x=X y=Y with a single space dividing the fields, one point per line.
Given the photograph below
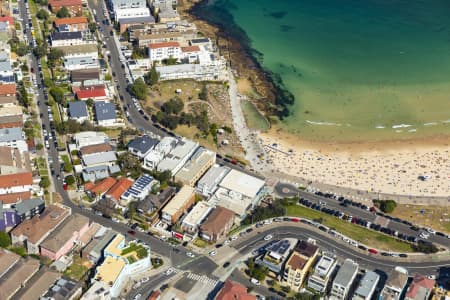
x=48 y=82
x=22 y=49
x=92 y=27
x=173 y=106
x=139 y=89
x=152 y=77
x=130 y=164
x=169 y=61
x=5 y=240
x=42 y=14
x=41 y=48
x=57 y=94
x=63 y=13
x=39 y=146
x=132 y=207
x=386 y=206
x=203 y=95
x=68 y=167
x=44 y=183
x=70 y=180
x=90 y=102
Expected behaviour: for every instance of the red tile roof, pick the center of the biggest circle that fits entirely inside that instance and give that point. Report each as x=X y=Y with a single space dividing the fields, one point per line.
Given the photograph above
x=92 y=92
x=234 y=291
x=15 y=197
x=419 y=281
x=8 y=19
x=164 y=45
x=103 y=186
x=61 y=3
x=17 y=179
x=7 y=89
x=120 y=187
x=70 y=21
x=190 y=49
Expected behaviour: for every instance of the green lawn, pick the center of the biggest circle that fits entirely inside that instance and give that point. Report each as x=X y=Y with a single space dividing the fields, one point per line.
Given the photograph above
x=77 y=270
x=358 y=233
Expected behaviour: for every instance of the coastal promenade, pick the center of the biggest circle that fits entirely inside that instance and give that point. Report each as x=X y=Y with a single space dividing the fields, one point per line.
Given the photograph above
x=255 y=148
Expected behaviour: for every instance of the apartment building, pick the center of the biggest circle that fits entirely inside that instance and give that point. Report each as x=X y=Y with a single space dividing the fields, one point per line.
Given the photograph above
x=344 y=279
x=367 y=286
x=322 y=273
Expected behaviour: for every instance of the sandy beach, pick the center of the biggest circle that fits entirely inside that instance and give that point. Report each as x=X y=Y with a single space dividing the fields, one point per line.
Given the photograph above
x=388 y=167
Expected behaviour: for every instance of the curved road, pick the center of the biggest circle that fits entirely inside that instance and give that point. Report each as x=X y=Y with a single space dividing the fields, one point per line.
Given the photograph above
x=246 y=244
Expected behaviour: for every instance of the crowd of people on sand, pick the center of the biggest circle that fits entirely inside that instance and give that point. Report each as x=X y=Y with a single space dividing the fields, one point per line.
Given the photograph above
x=408 y=172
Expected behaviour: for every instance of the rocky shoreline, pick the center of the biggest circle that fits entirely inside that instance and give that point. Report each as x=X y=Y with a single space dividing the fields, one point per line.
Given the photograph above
x=273 y=98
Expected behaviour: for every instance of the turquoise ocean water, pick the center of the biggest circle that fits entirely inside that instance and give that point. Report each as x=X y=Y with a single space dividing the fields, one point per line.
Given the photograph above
x=359 y=69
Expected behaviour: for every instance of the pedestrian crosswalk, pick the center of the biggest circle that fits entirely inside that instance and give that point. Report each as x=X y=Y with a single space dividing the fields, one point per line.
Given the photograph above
x=202 y=278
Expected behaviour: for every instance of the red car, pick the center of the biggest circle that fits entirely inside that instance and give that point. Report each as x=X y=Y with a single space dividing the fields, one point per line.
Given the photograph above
x=373 y=251
x=295 y=220
x=132 y=232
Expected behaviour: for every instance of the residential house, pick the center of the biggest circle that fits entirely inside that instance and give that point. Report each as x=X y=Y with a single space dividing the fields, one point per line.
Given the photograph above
x=195 y=217
x=208 y=184
x=94 y=92
x=105 y=113
x=78 y=111
x=74 y=6
x=234 y=291
x=15 y=187
x=8 y=100
x=420 y=288
x=342 y=283
x=96 y=254
x=81 y=57
x=64 y=288
x=14 y=161
x=217 y=224
x=11 y=121
x=176 y=159
x=7 y=261
x=367 y=286
x=13 y=137
x=154 y=203
x=196 y=166
x=119 y=188
x=32 y=232
x=62 y=240
x=322 y=273
x=98 y=155
x=100 y=188
x=17 y=277
x=239 y=192
x=124 y=23
x=275 y=256
x=179 y=204
x=122 y=263
x=8 y=89
x=168 y=14
x=87 y=138
x=161 y=51
x=85 y=76
x=40 y=283
x=16 y=214
x=71 y=24
x=6 y=71
x=123 y=4
x=140 y=189
x=74 y=38
x=97 y=172
x=190 y=54
x=299 y=264
x=394 y=286
x=142 y=145
x=155 y=156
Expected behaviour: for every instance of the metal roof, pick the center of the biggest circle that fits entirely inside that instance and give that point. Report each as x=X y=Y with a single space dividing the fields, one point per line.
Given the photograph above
x=104 y=110
x=78 y=109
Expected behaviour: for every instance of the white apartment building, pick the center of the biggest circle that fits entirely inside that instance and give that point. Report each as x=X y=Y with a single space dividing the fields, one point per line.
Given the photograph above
x=366 y=286
x=127 y=13
x=322 y=272
x=152 y=159
x=343 y=281
x=161 y=51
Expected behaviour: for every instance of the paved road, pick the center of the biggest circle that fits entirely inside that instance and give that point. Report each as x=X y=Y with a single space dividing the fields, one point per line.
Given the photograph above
x=326 y=243
x=289 y=190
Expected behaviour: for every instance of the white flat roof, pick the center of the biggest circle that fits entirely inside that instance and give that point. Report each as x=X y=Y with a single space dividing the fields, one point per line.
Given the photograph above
x=198 y=213
x=242 y=183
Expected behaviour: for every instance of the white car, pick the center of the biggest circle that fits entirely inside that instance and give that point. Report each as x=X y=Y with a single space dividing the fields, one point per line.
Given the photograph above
x=138 y=296
x=190 y=254
x=233 y=238
x=212 y=253
x=169 y=271
x=430 y=230
x=145 y=279
x=227 y=242
x=268 y=237
x=254 y=281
